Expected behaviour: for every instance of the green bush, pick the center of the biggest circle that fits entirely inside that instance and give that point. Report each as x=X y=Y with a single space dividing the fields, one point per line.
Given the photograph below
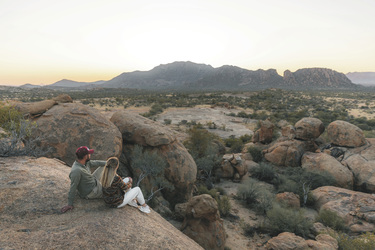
x=282 y=219
x=264 y=172
x=363 y=242
x=246 y=138
x=332 y=220
x=154 y=110
x=9 y=114
x=256 y=153
x=264 y=201
x=235 y=144
x=224 y=205
x=248 y=191
x=248 y=229
x=167 y=121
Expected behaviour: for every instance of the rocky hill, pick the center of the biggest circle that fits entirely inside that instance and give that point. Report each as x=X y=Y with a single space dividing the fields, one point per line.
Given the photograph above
x=317 y=78
x=166 y=76
x=192 y=76
x=235 y=78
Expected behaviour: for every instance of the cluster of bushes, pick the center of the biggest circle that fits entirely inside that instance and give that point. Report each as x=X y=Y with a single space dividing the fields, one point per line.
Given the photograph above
x=18 y=131
x=236 y=144
x=255 y=196
x=280 y=218
x=154 y=110
x=296 y=180
x=9 y=117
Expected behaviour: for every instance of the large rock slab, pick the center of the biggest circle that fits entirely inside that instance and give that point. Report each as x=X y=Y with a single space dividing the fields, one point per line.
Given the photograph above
x=345 y=134
x=309 y=128
x=140 y=130
x=38 y=108
x=65 y=127
x=32 y=191
x=35 y=108
x=324 y=162
x=356 y=208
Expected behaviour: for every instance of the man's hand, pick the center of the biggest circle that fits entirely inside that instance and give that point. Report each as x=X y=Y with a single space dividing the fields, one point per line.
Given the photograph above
x=66 y=208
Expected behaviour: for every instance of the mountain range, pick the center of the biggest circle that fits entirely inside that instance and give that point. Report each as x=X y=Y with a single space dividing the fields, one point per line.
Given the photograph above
x=194 y=76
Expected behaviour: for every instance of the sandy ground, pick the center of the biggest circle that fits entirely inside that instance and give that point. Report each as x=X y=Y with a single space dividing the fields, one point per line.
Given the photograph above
x=226 y=125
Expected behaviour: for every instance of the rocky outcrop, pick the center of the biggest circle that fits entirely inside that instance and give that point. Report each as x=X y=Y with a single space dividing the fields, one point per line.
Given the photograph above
x=265 y=133
x=285 y=153
x=308 y=128
x=180 y=169
x=233 y=167
x=203 y=224
x=287 y=240
x=323 y=162
x=32 y=192
x=65 y=127
x=356 y=208
x=345 y=134
x=363 y=170
x=289 y=132
x=317 y=77
x=34 y=109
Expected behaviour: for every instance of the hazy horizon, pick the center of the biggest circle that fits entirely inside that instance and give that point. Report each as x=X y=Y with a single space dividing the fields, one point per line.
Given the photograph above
x=45 y=41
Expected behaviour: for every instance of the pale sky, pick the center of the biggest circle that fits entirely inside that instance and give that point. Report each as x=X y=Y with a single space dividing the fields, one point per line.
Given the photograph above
x=44 y=41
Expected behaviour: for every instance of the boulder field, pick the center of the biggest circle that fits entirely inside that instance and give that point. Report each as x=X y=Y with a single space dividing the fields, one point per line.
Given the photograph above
x=32 y=192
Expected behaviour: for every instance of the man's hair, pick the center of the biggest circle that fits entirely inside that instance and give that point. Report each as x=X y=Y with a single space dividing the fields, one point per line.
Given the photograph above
x=80 y=156
x=109 y=172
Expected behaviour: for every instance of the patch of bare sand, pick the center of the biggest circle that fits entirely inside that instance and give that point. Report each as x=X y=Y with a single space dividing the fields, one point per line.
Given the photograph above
x=225 y=125
x=360 y=113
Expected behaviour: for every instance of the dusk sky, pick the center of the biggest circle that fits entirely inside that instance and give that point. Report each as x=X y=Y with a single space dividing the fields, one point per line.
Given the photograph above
x=44 y=41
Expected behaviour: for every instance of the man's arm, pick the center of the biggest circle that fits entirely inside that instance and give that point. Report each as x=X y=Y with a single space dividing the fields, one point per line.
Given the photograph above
x=75 y=178
x=96 y=163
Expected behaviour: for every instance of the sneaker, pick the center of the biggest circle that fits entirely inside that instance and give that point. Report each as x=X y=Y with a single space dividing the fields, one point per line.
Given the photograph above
x=133 y=203
x=145 y=209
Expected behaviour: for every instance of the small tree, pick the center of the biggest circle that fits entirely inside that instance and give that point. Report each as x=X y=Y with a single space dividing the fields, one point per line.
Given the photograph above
x=202 y=148
x=150 y=164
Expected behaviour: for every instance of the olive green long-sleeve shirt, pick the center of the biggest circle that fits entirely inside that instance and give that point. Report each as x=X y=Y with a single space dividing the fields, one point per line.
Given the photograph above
x=82 y=180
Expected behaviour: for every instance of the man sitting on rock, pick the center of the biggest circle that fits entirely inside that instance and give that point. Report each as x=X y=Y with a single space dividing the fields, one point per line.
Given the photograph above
x=81 y=179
